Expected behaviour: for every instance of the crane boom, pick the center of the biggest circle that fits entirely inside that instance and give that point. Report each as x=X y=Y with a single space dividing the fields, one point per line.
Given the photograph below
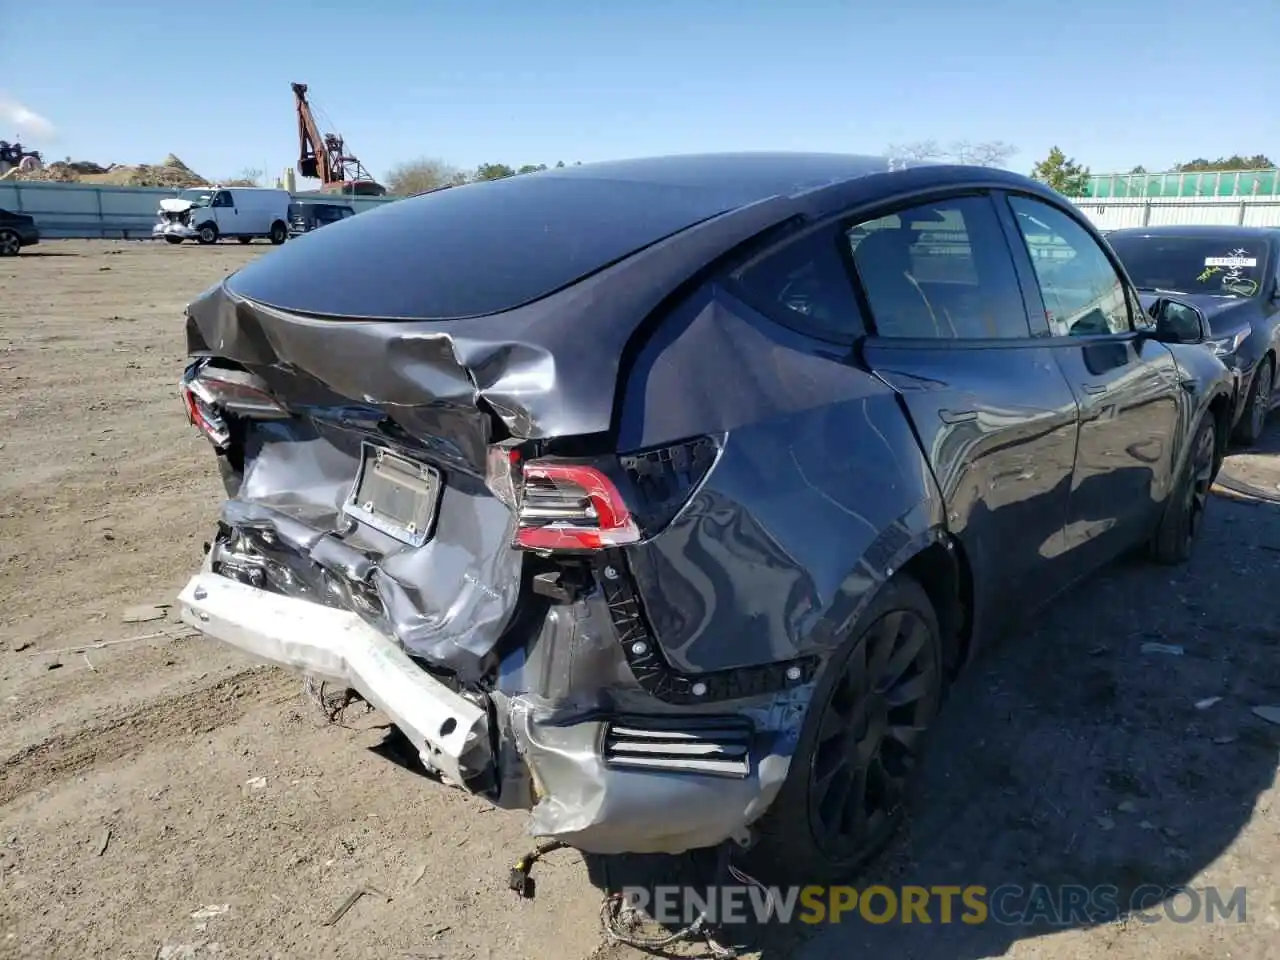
x=324 y=157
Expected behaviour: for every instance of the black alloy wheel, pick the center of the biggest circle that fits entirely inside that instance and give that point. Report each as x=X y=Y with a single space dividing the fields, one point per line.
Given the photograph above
x=1201 y=480
x=870 y=735
x=1258 y=406
x=861 y=746
x=1184 y=512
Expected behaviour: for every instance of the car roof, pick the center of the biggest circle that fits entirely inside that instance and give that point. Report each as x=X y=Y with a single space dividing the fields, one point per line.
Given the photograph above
x=1224 y=231
x=740 y=178
x=746 y=177
x=486 y=248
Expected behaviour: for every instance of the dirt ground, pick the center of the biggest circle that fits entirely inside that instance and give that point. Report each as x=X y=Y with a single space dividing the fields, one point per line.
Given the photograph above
x=161 y=796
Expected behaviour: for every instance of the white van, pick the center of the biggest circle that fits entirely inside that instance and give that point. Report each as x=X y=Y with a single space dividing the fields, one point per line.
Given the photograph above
x=206 y=214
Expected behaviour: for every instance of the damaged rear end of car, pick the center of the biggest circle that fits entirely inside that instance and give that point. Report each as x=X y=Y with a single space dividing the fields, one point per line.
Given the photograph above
x=428 y=504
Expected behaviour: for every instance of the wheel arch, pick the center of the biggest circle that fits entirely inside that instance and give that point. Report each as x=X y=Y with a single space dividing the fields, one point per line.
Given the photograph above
x=943 y=570
x=1269 y=356
x=1220 y=407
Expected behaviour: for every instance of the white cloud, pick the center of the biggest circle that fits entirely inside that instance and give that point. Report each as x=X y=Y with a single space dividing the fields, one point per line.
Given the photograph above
x=27 y=122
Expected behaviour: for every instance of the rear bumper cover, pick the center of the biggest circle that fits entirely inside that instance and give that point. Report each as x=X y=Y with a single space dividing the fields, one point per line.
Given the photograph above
x=564 y=772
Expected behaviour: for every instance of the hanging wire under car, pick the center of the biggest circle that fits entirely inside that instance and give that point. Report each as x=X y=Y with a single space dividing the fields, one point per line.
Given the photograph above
x=621 y=921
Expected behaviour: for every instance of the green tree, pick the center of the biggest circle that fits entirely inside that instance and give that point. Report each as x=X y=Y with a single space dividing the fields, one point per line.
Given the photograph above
x=532 y=168
x=493 y=171
x=1062 y=173
x=1139 y=169
x=418 y=176
x=1259 y=161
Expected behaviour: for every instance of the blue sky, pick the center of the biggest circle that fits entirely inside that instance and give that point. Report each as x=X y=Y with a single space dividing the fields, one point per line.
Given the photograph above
x=1113 y=84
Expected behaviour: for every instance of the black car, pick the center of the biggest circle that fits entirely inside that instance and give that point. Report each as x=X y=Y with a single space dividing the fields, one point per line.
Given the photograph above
x=1232 y=276
x=307 y=216
x=17 y=230
x=664 y=498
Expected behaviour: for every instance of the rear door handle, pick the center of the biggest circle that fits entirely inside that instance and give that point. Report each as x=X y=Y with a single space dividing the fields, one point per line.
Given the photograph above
x=957 y=416
x=1095 y=388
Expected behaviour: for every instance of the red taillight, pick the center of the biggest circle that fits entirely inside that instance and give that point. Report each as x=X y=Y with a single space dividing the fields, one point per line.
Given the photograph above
x=202 y=415
x=571 y=507
x=210 y=391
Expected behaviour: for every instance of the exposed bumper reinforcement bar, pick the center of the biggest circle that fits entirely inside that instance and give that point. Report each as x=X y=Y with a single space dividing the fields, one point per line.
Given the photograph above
x=450 y=732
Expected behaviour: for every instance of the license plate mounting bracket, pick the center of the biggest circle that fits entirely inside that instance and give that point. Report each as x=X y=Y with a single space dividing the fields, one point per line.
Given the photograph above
x=395 y=495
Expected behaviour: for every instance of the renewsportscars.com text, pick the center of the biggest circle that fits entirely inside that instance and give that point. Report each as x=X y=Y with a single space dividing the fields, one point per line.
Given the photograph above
x=1009 y=905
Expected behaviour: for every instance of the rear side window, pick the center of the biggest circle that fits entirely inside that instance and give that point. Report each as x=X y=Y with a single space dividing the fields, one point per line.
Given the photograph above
x=804 y=284
x=941 y=271
x=1083 y=294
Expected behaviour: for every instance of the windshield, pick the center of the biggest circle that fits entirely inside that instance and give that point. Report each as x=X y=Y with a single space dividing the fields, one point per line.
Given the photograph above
x=198 y=198
x=1225 y=267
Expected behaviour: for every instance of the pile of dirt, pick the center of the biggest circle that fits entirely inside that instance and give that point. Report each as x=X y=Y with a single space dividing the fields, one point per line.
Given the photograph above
x=55 y=172
x=171 y=173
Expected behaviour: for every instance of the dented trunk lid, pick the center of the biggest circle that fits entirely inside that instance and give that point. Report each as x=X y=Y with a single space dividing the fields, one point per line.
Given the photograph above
x=447 y=585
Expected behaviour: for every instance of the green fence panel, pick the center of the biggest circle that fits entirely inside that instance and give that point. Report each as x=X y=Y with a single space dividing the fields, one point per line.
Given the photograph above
x=1208 y=183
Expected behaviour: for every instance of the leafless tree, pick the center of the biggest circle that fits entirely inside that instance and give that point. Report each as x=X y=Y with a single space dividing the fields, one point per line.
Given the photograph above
x=988 y=153
x=418 y=176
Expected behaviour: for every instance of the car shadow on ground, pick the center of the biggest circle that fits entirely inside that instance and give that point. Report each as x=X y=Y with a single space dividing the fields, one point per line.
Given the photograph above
x=1075 y=755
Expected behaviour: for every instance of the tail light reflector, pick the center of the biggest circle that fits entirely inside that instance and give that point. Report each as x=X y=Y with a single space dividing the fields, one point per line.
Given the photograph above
x=571 y=507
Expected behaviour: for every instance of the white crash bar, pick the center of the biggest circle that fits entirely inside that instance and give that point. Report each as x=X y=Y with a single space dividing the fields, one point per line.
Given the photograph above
x=338 y=645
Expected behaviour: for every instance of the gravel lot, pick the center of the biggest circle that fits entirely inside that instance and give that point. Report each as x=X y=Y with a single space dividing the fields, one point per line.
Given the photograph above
x=145 y=775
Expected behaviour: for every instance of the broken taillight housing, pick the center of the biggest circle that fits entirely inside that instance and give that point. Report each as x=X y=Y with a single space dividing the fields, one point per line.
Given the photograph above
x=574 y=505
x=208 y=393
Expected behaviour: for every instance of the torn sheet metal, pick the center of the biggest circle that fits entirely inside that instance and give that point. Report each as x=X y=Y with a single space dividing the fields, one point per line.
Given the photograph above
x=531 y=366
x=447 y=601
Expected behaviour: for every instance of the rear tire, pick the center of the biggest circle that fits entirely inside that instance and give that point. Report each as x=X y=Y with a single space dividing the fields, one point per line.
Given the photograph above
x=1254 y=418
x=1184 y=512
x=208 y=234
x=279 y=233
x=10 y=243
x=859 y=752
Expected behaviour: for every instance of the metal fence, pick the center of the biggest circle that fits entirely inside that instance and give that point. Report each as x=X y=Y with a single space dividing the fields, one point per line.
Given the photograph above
x=66 y=210
x=92 y=211
x=1115 y=213
x=1215 y=183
